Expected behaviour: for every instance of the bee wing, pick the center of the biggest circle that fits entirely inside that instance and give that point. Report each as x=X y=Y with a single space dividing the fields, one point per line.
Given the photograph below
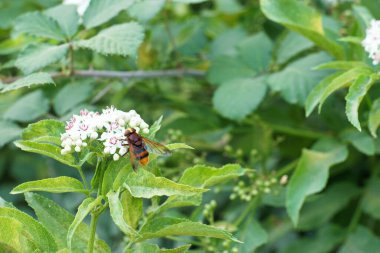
x=132 y=156
x=155 y=147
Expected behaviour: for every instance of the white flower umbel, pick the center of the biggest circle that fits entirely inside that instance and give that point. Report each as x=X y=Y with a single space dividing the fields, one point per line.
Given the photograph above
x=107 y=128
x=371 y=42
x=82 y=5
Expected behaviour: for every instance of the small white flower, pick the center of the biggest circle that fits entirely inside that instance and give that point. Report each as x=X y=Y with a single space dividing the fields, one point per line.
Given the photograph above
x=371 y=42
x=77 y=149
x=145 y=130
x=116 y=157
x=82 y=5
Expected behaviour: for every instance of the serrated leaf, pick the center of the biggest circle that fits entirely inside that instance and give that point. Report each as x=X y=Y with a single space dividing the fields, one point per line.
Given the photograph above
x=153 y=248
x=56 y=185
x=132 y=208
x=42 y=128
x=83 y=210
x=57 y=221
x=117 y=213
x=28 y=81
x=360 y=140
x=47 y=149
x=167 y=226
x=14 y=237
x=145 y=10
x=226 y=42
x=71 y=95
x=341 y=81
x=374 y=117
x=28 y=108
x=334 y=199
x=67 y=18
x=34 y=58
x=361 y=240
x=316 y=93
x=354 y=97
x=174 y=146
x=144 y=184
x=371 y=198
x=100 y=11
x=256 y=52
x=39 y=235
x=8 y=132
x=38 y=24
x=307 y=22
x=297 y=80
x=340 y=65
x=155 y=127
x=291 y=45
x=311 y=174
x=202 y=176
x=238 y=98
x=226 y=67
x=253 y=235
x=123 y=39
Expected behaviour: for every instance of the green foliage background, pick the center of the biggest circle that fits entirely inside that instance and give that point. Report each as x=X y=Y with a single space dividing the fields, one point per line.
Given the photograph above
x=243 y=82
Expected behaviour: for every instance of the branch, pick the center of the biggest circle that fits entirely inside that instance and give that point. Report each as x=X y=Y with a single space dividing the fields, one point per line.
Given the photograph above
x=143 y=74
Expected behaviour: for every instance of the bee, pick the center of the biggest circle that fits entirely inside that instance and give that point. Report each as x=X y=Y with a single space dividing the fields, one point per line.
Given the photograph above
x=139 y=148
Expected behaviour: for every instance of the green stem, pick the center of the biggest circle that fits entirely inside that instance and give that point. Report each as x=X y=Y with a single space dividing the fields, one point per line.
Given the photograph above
x=83 y=177
x=310 y=134
x=287 y=168
x=91 y=241
x=128 y=246
x=252 y=205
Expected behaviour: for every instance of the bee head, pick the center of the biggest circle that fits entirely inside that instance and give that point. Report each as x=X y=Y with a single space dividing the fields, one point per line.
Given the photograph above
x=129 y=131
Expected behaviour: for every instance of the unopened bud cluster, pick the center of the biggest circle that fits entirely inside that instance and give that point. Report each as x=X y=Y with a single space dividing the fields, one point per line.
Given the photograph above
x=107 y=127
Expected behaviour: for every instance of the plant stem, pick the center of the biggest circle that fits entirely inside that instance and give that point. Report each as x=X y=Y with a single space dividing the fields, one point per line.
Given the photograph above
x=83 y=177
x=287 y=168
x=252 y=205
x=91 y=241
x=305 y=133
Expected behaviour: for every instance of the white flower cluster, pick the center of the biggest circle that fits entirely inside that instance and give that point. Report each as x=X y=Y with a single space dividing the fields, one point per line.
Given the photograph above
x=82 y=5
x=371 y=42
x=107 y=127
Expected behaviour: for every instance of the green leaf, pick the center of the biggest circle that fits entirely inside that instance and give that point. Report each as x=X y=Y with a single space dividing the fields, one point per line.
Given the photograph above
x=38 y=24
x=38 y=234
x=238 y=98
x=226 y=68
x=253 y=235
x=371 y=199
x=190 y=1
x=174 y=146
x=340 y=65
x=43 y=128
x=341 y=81
x=72 y=95
x=100 y=11
x=336 y=198
x=354 y=97
x=316 y=93
x=298 y=17
x=145 y=10
x=291 y=45
x=67 y=18
x=8 y=132
x=227 y=41
x=123 y=39
x=27 y=81
x=311 y=174
x=117 y=213
x=28 y=108
x=144 y=184
x=256 y=52
x=57 y=221
x=167 y=226
x=360 y=140
x=361 y=240
x=297 y=80
x=83 y=210
x=56 y=185
x=34 y=58
x=153 y=248
x=374 y=117
x=202 y=176
x=47 y=149
x=132 y=208
x=14 y=237
x=154 y=128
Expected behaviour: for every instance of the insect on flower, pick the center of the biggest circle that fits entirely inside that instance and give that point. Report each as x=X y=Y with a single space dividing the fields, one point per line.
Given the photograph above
x=139 y=148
